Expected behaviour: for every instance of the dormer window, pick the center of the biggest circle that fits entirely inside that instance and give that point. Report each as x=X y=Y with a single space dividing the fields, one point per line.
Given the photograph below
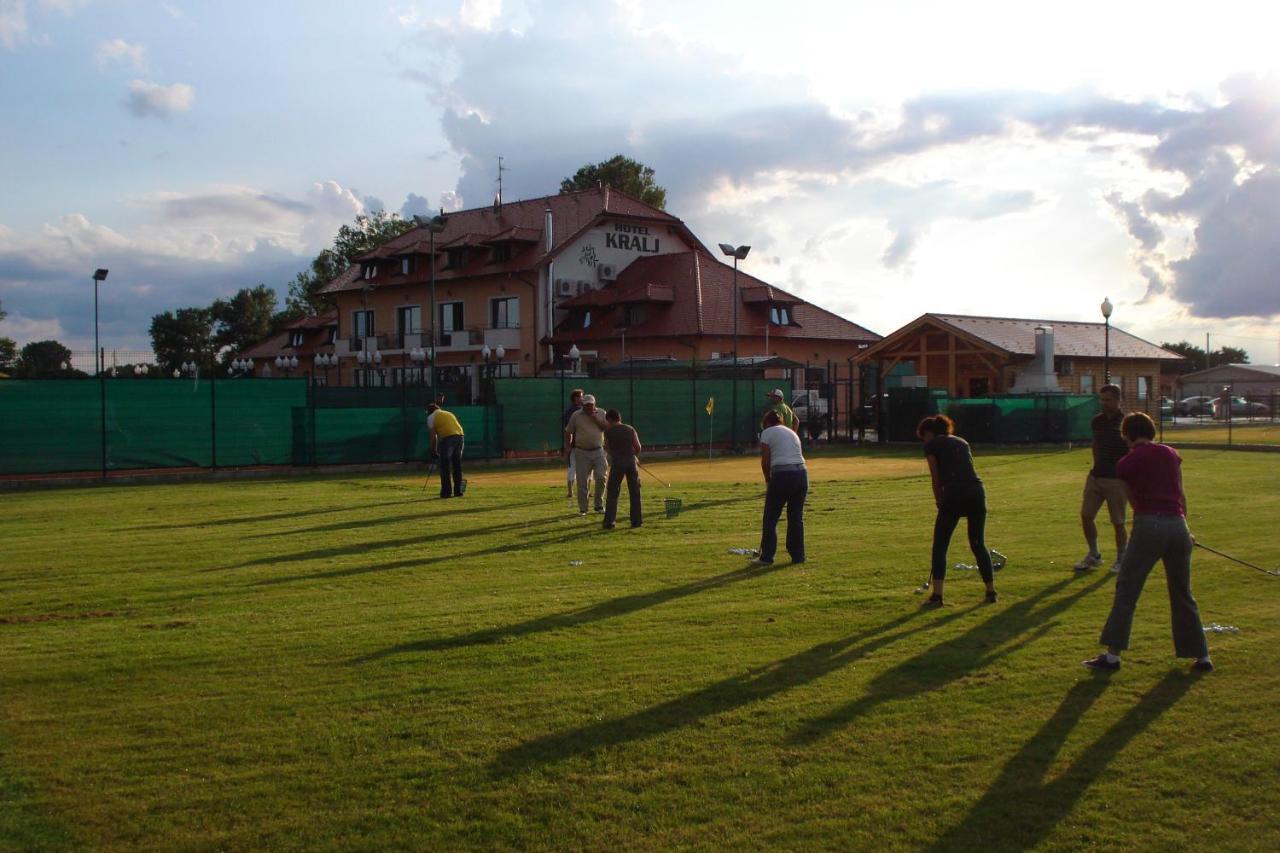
x=780 y=315
x=453 y=258
x=406 y=266
x=295 y=338
x=370 y=270
x=501 y=253
x=586 y=319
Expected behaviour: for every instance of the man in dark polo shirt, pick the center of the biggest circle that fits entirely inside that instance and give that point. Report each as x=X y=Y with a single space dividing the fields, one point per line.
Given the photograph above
x=1102 y=485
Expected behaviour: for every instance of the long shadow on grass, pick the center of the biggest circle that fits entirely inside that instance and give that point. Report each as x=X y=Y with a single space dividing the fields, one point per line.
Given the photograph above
x=1011 y=629
x=717 y=698
x=446 y=535
x=418 y=562
x=573 y=618
x=257 y=519
x=1021 y=807
x=420 y=515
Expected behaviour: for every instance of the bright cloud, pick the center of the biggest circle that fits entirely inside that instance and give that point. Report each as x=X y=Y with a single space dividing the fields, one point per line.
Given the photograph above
x=152 y=100
x=13 y=23
x=119 y=51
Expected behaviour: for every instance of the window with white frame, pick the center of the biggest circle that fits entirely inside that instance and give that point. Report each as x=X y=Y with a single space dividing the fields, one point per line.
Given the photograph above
x=451 y=321
x=504 y=312
x=1086 y=383
x=295 y=338
x=780 y=315
x=361 y=324
x=409 y=319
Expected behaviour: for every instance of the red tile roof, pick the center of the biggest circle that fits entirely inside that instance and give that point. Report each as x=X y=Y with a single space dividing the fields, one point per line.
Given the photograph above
x=702 y=304
x=523 y=222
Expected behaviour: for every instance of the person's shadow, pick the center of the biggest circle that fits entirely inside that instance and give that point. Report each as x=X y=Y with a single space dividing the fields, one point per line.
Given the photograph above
x=1010 y=629
x=1020 y=807
x=724 y=695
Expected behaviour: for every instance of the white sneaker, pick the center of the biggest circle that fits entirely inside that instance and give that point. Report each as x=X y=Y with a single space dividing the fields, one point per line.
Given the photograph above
x=1115 y=567
x=1089 y=561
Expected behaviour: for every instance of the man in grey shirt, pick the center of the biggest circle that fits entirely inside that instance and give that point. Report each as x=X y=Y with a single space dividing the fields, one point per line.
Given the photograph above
x=584 y=437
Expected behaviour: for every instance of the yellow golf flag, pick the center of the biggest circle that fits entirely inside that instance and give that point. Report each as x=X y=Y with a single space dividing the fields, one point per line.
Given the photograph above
x=711 y=405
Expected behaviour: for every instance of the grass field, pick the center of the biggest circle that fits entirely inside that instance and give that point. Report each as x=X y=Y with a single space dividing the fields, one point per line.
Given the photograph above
x=345 y=662
x=1217 y=432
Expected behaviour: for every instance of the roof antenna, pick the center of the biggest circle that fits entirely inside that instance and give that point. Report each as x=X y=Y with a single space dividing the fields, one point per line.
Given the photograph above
x=497 y=199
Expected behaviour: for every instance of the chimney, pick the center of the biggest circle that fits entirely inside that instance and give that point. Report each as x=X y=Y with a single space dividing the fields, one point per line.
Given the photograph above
x=1038 y=376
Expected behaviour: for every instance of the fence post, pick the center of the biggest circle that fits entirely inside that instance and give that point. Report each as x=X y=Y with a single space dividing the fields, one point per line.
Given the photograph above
x=404 y=425
x=311 y=403
x=693 y=383
x=213 y=415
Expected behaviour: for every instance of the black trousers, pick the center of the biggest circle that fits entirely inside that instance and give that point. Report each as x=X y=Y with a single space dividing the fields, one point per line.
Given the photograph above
x=619 y=467
x=969 y=502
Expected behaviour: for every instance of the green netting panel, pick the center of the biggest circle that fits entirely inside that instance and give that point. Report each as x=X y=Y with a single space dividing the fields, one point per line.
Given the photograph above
x=255 y=420
x=666 y=412
x=344 y=436
x=905 y=408
x=163 y=423
x=50 y=426
x=415 y=397
x=1017 y=419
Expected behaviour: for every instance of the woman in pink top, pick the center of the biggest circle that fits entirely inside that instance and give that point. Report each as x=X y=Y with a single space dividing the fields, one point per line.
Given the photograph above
x=1152 y=476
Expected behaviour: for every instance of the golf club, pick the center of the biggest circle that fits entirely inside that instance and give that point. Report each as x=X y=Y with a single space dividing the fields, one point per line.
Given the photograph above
x=1274 y=574
x=653 y=475
x=431 y=466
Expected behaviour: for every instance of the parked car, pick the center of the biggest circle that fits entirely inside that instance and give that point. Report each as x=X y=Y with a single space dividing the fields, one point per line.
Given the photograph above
x=1190 y=407
x=1166 y=408
x=812 y=412
x=1240 y=408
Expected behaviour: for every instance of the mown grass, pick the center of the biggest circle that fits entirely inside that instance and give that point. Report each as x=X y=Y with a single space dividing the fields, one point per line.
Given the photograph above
x=1217 y=432
x=347 y=662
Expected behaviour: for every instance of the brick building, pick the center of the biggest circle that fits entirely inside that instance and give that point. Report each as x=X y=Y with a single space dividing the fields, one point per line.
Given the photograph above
x=524 y=282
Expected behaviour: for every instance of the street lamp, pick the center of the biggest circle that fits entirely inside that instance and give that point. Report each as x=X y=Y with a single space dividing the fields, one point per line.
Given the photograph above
x=98 y=275
x=242 y=365
x=369 y=359
x=574 y=355
x=190 y=368
x=1106 y=351
x=287 y=363
x=421 y=356
x=434 y=226
x=325 y=361
x=737 y=253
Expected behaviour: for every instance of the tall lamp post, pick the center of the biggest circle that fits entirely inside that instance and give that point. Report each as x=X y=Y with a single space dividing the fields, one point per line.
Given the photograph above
x=737 y=253
x=1106 y=351
x=98 y=276
x=434 y=226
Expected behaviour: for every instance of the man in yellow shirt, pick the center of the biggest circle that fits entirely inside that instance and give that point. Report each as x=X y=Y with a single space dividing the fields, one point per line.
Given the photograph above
x=447 y=440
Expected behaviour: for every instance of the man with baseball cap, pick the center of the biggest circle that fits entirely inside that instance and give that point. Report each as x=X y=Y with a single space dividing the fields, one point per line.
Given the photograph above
x=584 y=437
x=785 y=415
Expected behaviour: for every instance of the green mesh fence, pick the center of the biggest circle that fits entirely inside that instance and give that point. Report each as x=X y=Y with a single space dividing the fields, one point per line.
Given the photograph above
x=57 y=426
x=665 y=412
x=1006 y=419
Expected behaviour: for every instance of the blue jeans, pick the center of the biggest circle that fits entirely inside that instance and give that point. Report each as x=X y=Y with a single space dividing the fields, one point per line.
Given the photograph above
x=450 y=449
x=1164 y=538
x=786 y=488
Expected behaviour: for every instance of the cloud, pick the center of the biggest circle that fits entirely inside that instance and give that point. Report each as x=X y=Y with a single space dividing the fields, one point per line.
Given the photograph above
x=373 y=204
x=415 y=205
x=152 y=100
x=13 y=23
x=194 y=248
x=121 y=51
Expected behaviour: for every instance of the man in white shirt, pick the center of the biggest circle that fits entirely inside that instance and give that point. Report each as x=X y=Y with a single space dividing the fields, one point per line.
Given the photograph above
x=782 y=462
x=584 y=435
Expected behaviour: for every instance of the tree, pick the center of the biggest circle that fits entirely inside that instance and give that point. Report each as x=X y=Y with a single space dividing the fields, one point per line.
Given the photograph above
x=184 y=335
x=1196 y=358
x=8 y=355
x=244 y=319
x=3 y=313
x=368 y=233
x=45 y=360
x=621 y=173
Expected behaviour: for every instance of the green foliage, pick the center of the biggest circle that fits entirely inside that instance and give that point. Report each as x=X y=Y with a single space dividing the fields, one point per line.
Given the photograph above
x=622 y=173
x=367 y=233
x=339 y=662
x=45 y=360
x=182 y=335
x=243 y=320
x=8 y=355
x=1196 y=358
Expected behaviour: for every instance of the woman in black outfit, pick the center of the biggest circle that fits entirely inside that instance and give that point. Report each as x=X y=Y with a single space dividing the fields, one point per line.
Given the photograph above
x=958 y=492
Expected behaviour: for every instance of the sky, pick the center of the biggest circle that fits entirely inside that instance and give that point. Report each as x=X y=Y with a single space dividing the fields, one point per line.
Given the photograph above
x=882 y=160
